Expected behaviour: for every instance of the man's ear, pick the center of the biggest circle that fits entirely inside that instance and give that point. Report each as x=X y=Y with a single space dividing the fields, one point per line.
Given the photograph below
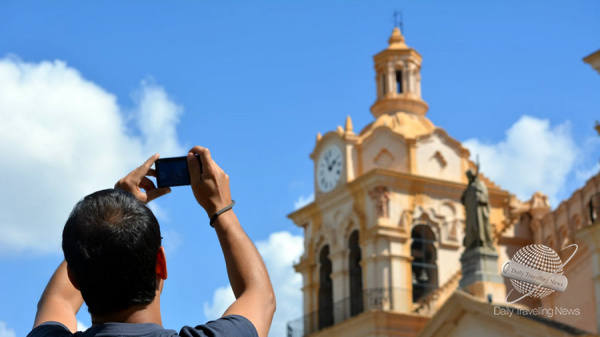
x=161 y=263
x=72 y=278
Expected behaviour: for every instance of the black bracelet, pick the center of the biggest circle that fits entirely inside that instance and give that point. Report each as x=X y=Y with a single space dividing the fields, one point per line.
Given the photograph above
x=225 y=209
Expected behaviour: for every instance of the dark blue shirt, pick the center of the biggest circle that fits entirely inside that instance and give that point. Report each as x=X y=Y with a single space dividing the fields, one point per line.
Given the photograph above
x=233 y=326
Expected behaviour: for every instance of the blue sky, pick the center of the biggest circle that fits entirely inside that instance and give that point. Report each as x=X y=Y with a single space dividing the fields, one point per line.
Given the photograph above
x=89 y=90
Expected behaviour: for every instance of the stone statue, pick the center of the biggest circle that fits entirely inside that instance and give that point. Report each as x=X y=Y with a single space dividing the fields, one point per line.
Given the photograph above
x=381 y=197
x=478 y=231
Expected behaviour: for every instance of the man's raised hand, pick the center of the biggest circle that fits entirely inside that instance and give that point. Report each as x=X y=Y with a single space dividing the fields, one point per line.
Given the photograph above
x=137 y=180
x=211 y=184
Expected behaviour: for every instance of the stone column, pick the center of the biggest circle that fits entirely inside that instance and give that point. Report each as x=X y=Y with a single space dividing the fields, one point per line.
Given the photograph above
x=410 y=78
x=418 y=88
x=391 y=80
x=480 y=275
x=339 y=278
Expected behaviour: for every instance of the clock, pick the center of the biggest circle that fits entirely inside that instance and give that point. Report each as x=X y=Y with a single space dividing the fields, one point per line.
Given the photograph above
x=329 y=168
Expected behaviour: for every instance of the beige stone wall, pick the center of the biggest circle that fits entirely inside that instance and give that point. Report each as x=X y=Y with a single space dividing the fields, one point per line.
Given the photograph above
x=437 y=159
x=475 y=325
x=385 y=149
x=579 y=294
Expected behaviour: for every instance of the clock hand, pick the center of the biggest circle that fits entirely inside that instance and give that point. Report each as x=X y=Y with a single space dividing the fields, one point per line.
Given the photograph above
x=332 y=164
x=327 y=163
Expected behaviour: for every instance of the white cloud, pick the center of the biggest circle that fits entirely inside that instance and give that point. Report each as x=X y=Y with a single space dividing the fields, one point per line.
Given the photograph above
x=222 y=298
x=5 y=331
x=303 y=201
x=81 y=326
x=63 y=137
x=156 y=117
x=172 y=240
x=585 y=174
x=587 y=162
x=535 y=156
x=279 y=252
x=160 y=213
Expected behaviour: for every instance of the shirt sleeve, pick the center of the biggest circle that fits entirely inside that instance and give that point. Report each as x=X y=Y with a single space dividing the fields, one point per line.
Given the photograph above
x=50 y=329
x=228 y=326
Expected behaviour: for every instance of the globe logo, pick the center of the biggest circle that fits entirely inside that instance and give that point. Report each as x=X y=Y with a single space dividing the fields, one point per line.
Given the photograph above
x=538 y=257
x=536 y=271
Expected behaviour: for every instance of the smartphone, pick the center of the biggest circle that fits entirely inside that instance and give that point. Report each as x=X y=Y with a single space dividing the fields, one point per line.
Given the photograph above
x=173 y=171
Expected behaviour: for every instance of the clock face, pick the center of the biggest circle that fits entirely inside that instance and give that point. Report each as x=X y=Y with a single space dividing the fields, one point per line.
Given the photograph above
x=329 y=168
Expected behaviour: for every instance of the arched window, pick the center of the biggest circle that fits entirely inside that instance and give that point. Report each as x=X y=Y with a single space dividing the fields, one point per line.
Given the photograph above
x=355 y=273
x=424 y=266
x=594 y=208
x=399 y=81
x=325 y=290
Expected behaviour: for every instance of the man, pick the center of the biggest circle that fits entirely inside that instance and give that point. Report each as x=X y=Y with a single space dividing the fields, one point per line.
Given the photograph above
x=115 y=262
x=478 y=231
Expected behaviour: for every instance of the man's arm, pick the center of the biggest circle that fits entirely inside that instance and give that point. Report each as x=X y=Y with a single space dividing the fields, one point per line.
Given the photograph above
x=60 y=301
x=247 y=273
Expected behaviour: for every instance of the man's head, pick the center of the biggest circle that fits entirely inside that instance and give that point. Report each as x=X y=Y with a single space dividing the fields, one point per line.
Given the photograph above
x=111 y=241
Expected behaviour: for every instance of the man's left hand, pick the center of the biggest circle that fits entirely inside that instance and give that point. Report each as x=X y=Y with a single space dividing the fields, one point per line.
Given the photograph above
x=137 y=180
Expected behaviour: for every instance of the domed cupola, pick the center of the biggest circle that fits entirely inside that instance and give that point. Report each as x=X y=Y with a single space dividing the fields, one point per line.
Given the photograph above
x=398 y=78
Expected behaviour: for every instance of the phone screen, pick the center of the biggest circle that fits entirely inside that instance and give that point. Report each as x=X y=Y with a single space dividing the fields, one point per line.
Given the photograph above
x=172 y=172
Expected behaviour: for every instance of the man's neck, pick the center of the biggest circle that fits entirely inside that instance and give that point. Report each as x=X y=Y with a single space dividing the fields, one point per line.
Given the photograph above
x=147 y=313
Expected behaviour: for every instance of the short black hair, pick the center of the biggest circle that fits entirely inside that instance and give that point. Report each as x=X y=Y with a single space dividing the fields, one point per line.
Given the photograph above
x=110 y=242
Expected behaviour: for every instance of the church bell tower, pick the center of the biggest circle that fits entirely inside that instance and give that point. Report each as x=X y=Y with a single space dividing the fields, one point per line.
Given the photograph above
x=383 y=236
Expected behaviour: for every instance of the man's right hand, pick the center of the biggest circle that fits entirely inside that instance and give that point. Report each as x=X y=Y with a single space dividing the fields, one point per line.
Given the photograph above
x=211 y=185
x=137 y=180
